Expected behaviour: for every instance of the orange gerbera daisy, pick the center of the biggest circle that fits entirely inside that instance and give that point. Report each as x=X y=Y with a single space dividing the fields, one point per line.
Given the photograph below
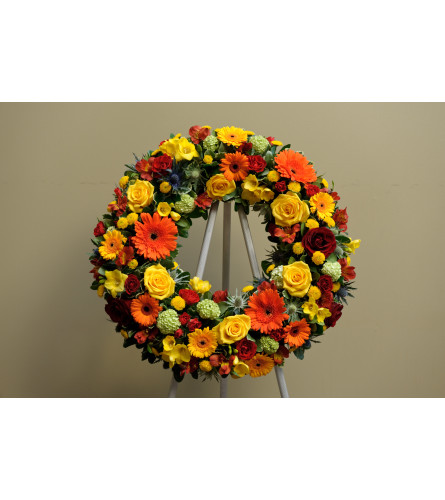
x=112 y=245
x=233 y=136
x=202 y=343
x=295 y=166
x=296 y=333
x=235 y=166
x=266 y=311
x=260 y=365
x=155 y=236
x=145 y=309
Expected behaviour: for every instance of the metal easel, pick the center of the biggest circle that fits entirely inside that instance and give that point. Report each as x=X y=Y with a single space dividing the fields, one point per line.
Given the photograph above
x=226 y=275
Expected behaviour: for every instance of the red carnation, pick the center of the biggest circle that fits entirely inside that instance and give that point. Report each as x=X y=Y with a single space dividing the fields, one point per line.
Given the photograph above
x=325 y=283
x=257 y=163
x=336 y=312
x=161 y=163
x=184 y=318
x=132 y=284
x=203 y=201
x=193 y=324
x=190 y=296
x=99 y=230
x=311 y=189
x=246 y=147
x=179 y=333
x=277 y=334
x=219 y=296
x=246 y=349
x=341 y=219
x=144 y=167
x=280 y=186
x=198 y=134
x=319 y=239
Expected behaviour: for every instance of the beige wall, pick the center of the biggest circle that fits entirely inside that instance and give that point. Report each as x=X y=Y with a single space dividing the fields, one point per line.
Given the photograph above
x=59 y=165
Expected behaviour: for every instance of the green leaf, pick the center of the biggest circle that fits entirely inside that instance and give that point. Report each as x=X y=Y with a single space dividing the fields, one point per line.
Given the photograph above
x=291 y=260
x=207 y=295
x=101 y=271
x=332 y=258
x=299 y=353
x=249 y=337
x=342 y=239
x=183 y=223
x=229 y=196
x=223 y=307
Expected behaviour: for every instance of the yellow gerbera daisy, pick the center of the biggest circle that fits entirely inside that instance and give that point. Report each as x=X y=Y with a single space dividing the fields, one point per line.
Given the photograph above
x=323 y=204
x=260 y=365
x=202 y=343
x=233 y=136
x=112 y=245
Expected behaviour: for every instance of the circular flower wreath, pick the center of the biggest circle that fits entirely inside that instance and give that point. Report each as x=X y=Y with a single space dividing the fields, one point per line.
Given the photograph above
x=176 y=318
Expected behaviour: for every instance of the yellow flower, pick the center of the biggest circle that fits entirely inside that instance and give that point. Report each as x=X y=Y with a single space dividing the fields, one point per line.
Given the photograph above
x=276 y=143
x=294 y=186
x=241 y=369
x=205 y=366
x=329 y=221
x=318 y=258
x=185 y=150
x=232 y=328
x=202 y=343
x=123 y=181
x=207 y=159
x=133 y=264
x=233 y=136
x=158 y=282
x=168 y=343
x=170 y=146
x=270 y=268
x=175 y=216
x=178 y=303
x=179 y=354
x=324 y=182
x=139 y=194
x=155 y=152
x=175 y=265
x=109 y=206
x=310 y=308
x=199 y=285
x=163 y=209
x=115 y=281
x=248 y=288
x=336 y=287
x=132 y=218
x=250 y=183
x=112 y=245
x=273 y=176
x=265 y=193
x=298 y=248
x=251 y=196
x=322 y=314
x=323 y=204
x=165 y=187
x=352 y=246
x=288 y=209
x=297 y=278
x=122 y=223
x=100 y=290
x=312 y=224
x=124 y=334
x=218 y=186
x=249 y=132
x=314 y=292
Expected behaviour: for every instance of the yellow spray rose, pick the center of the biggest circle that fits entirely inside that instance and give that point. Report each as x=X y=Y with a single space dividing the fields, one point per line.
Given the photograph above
x=218 y=186
x=200 y=286
x=232 y=329
x=297 y=278
x=158 y=282
x=288 y=209
x=139 y=194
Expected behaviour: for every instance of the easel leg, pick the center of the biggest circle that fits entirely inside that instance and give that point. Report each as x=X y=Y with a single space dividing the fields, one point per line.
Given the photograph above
x=173 y=388
x=281 y=381
x=226 y=273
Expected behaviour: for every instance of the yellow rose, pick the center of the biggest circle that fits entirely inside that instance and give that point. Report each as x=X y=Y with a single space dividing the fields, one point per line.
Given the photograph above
x=158 y=282
x=218 y=186
x=200 y=286
x=288 y=209
x=139 y=194
x=297 y=278
x=232 y=329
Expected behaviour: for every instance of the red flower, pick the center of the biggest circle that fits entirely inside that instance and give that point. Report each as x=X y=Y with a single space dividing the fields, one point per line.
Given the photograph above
x=140 y=337
x=257 y=163
x=334 y=194
x=348 y=272
x=341 y=219
x=120 y=205
x=179 y=333
x=325 y=283
x=319 y=239
x=198 y=134
x=280 y=186
x=277 y=334
x=99 y=230
x=153 y=333
x=219 y=296
x=145 y=167
x=216 y=359
x=193 y=324
x=266 y=285
x=125 y=256
x=336 y=312
x=270 y=139
x=224 y=369
x=160 y=164
x=184 y=318
x=203 y=200
x=311 y=189
x=118 y=310
x=132 y=284
x=192 y=365
x=287 y=234
x=246 y=147
x=325 y=300
x=190 y=296
x=246 y=349
x=284 y=351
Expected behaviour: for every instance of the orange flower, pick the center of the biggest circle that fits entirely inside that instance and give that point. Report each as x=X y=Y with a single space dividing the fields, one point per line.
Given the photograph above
x=112 y=245
x=295 y=166
x=155 y=236
x=296 y=333
x=260 y=365
x=145 y=309
x=266 y=311
x=235 y=166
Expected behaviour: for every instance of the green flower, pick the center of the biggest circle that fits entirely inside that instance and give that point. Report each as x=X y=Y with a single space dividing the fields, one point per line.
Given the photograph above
x=210 y=143
x=277 y=276
x=260 y=144
x=168 y=322
x=185 y=205
x=208 y=309
x=268 y=345
x=332 y=269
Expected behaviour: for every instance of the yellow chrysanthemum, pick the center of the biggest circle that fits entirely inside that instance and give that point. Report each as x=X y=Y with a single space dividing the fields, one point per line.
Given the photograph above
x=312 y=224
x=132 y=218
x=205 y=366
x=202 y=343
x=165 y=187
x=336 y=287
x=294 y=186
x=276 y=143
x=207 y=159
x=270 y=268
x=163 y=209
x=123 y=181
x=323 y=204
x=249 y=132
x=100 y=290
x=178 y=303
x=318 y=258
x=112 y=245
x=233 y=136
x=133 y=264
x=273 y=176
x=298 y=248
x=248 y=288
x=314 y=293
x=122 y=223
x=115 y=281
